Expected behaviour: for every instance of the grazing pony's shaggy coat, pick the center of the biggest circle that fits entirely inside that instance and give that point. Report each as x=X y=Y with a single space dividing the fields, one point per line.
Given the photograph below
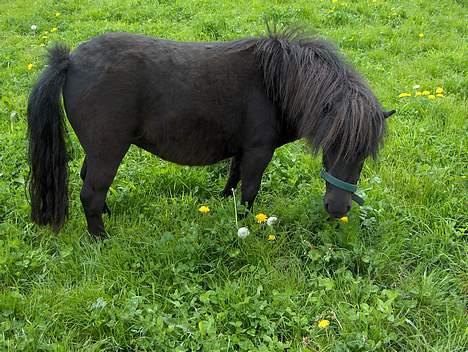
x=196 y=104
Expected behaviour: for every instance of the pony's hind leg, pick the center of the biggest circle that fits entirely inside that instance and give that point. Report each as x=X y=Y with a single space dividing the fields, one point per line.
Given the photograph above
x=252 y=166
x=234 y=176
x=100 y=172
x=84 y=169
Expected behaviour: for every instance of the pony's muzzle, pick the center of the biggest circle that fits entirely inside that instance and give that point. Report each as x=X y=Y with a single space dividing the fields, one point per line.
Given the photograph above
x=337 y=205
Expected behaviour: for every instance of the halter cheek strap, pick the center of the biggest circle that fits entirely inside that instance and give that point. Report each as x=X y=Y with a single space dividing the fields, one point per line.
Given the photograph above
x=345 y=186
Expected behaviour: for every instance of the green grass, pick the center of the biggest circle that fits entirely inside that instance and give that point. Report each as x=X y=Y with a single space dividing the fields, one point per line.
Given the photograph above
x=169 y=279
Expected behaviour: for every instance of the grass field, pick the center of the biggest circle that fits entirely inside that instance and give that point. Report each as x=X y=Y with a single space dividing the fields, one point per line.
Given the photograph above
x=171 y=279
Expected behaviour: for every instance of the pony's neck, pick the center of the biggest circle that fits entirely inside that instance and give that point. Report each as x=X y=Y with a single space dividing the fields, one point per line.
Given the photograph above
x=289 y=133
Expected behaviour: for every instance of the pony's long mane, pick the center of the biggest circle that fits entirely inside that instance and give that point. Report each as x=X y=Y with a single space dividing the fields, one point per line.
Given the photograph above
x=320 y=93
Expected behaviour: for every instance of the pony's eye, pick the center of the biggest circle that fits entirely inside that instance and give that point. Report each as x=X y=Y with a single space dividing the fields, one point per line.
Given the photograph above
x=327 y=108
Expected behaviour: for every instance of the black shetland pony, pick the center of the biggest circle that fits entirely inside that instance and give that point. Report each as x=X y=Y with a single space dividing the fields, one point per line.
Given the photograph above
x=197 y=104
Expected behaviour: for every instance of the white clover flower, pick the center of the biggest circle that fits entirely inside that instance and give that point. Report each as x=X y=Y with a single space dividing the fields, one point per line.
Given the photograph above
x=243 y=232
x=417 y=86
x=33 y=27
x=272 y=220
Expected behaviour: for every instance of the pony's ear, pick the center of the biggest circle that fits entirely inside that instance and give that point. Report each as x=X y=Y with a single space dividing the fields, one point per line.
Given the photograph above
x=387 y=114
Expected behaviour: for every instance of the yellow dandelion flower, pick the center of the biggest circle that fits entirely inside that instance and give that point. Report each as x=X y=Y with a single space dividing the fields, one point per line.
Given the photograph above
x=30 y=66
x=57 y=14
x=439 y=90
x=426 y=92
x=271 y=237
x=421 y=35
x=439 y=95
x=323 y=324
x=344 y=219
x=261 y=218
x=53 y=30
x=204 y=209
x=402 y=95
x=432 y=97
x=417 y=94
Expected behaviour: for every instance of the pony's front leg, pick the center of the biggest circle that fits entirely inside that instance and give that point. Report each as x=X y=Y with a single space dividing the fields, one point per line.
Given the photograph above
x=253 y=164
x=234 y=176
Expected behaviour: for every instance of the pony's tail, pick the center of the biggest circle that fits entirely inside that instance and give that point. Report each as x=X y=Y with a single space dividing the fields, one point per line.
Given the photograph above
x=47 y=152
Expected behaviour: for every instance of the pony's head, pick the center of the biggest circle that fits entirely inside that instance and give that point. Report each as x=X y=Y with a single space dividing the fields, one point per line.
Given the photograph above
x=341 y=174
x=328 y=103
x=342 y=169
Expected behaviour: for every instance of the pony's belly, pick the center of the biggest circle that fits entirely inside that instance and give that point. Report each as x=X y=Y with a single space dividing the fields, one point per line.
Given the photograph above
x=201 y=137
x=189 y=152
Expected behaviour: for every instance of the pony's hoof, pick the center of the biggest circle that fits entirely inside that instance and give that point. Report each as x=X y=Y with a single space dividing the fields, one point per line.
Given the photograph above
x=242 y=214
x=226 y=193
x=98 y=235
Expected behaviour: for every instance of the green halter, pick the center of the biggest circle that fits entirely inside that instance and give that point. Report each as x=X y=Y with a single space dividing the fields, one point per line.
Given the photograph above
x=345 y=186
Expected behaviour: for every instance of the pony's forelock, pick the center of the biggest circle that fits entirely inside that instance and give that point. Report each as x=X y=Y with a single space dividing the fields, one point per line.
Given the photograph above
x=320 y=93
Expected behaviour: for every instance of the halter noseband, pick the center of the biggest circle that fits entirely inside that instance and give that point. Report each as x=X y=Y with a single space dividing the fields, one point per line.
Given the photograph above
x=345 y=186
